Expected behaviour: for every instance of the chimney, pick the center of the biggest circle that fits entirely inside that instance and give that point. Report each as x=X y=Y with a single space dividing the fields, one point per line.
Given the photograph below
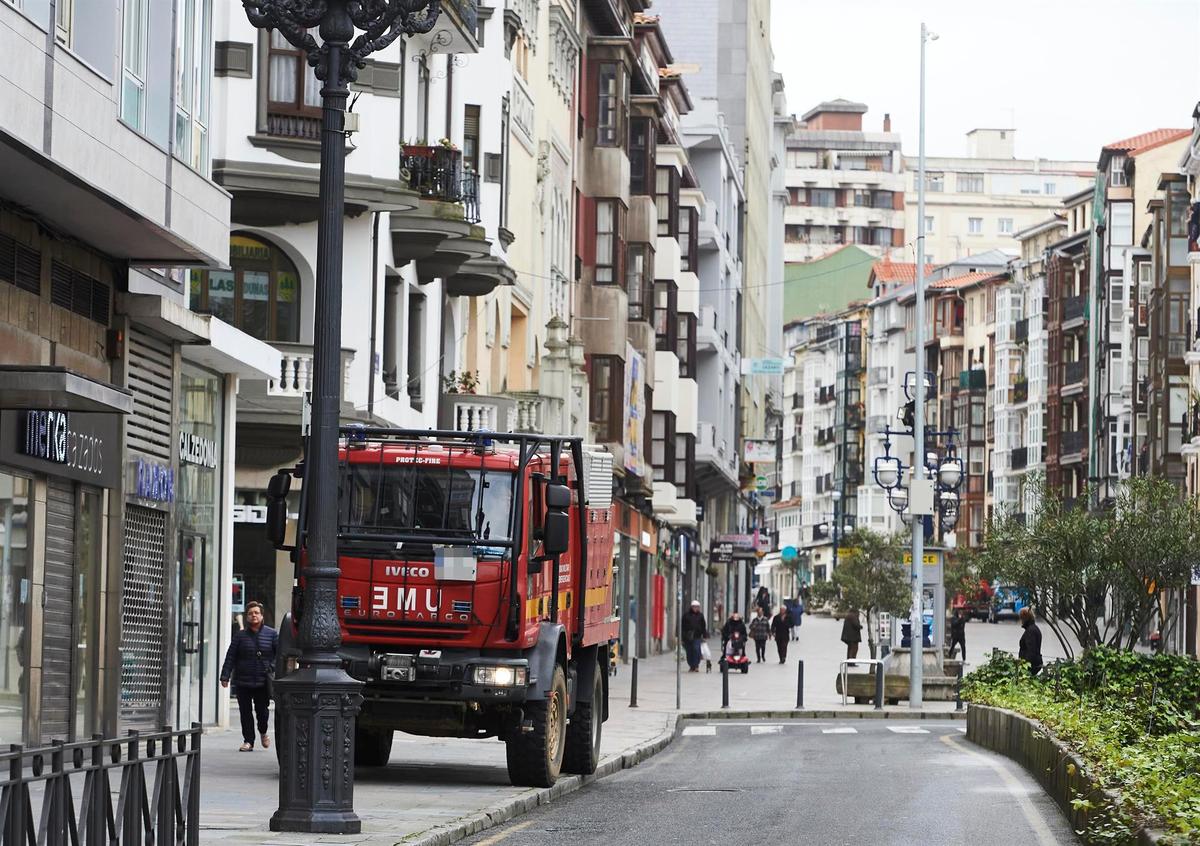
x=887 y=122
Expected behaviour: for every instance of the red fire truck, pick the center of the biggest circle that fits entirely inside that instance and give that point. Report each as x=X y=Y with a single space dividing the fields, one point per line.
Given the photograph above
x=475 y=597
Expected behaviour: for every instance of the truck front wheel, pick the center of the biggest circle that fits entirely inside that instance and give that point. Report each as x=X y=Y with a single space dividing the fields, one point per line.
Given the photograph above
x=535 y=757
x=372 y=746
x=583 y=732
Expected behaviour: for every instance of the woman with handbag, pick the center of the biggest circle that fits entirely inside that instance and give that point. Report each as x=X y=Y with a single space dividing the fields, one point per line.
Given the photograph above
x=250 y=661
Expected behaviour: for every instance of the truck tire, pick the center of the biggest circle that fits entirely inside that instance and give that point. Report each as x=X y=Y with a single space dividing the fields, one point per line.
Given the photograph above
x=535 y=758
x=582 y=755
x=372 y=746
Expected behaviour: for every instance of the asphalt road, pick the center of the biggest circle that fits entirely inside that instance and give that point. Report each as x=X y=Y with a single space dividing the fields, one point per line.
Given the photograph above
x=857 y=782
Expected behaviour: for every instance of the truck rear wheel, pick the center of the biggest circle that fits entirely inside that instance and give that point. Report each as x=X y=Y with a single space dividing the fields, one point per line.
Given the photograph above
x=535 y=758
x=372 y=746
x=583 y=732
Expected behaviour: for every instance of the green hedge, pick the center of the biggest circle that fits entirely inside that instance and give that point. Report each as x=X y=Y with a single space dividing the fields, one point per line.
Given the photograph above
x=1135 y=720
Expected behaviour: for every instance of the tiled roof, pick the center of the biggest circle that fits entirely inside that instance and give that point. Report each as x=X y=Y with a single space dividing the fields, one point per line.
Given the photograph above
x=961 y=281
x=889 y=271
x=1147 y=140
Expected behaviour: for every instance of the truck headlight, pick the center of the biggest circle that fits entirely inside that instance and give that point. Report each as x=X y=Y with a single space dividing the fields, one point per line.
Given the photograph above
x=500 y=676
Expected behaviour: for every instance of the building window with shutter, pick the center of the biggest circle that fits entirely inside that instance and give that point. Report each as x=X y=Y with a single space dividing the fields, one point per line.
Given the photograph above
x=610 y=104
x=604 y=400
x=609 y=242
x=471 y=137
x=293 y=92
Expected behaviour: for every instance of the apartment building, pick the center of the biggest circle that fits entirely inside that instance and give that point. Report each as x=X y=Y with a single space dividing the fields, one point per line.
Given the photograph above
x=977 y=202
x=845 y=185
x=119 y=402
x=1020 y=378
x=1189 y=167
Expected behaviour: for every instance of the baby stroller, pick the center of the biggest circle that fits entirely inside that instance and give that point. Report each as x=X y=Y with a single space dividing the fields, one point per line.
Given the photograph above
x=734 y=653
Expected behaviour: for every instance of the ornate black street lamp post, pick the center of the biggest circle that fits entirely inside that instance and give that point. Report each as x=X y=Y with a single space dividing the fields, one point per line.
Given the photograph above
x=318 y=703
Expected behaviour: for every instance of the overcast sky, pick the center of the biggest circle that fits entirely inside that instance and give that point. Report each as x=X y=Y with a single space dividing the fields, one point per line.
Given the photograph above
x=1068 y=75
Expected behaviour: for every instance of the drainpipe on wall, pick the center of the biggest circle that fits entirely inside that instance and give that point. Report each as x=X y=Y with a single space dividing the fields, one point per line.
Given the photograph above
x=372 y=367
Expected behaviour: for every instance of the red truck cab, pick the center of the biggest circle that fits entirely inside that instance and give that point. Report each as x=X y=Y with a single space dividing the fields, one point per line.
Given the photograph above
x=475 y=596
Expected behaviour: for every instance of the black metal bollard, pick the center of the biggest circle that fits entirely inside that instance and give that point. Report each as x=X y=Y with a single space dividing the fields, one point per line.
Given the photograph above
x=800 y=684
x=724 y=684
x=879 y=686
x=633 y=684
x=958 y=706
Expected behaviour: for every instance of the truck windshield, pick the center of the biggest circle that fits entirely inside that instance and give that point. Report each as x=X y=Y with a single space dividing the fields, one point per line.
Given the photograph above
x=428 y=501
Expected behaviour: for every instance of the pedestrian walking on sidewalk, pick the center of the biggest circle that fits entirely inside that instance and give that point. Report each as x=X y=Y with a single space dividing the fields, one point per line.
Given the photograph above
x=796 y=609
x=763 y=600
x=851 y=633
x=781 y=627
x=760 y=631
x=250 y=661
x=958 y=632
x=1031 y=641
x=694 y=631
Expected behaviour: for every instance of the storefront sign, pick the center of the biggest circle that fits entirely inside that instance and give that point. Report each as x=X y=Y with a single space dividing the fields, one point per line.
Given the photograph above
x=762 y=366
x=194 y=449
x=154 y=481
x=743 y=542
x=83 y=447
x=720 y=553
x=761 y=450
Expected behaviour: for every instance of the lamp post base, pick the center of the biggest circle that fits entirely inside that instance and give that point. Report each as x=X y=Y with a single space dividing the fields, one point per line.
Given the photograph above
x=315 y=711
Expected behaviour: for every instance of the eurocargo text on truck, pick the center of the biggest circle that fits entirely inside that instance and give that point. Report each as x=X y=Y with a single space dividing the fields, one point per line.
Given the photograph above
x=475 y=595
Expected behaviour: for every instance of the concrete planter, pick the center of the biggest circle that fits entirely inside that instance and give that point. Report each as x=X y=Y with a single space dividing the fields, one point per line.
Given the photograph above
x=1061 y=773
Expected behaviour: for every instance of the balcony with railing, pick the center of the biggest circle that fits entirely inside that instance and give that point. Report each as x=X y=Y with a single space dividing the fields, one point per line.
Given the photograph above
x=1072 y=444
x=1074 y=309
x=437 y=173
x=717 y=451
x=878 y=376
x=1073 y=372
x=282 y=395
x=826 y=394
x=520 y=411
x=825 y=436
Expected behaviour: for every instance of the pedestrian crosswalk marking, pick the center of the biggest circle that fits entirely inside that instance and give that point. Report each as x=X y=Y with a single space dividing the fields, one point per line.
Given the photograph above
x=691 y=731
x=908 y=730
x=840 y=730
x=766 y=729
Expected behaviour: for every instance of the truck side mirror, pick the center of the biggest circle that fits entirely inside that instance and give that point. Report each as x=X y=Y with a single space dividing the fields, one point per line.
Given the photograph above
x=277 y=510
x=556 y=533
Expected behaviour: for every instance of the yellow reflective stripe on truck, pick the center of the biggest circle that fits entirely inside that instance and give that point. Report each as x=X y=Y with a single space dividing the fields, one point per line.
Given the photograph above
x=537 y=606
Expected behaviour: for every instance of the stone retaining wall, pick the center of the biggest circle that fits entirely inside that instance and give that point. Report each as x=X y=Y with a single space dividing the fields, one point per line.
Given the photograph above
x=1060 y=772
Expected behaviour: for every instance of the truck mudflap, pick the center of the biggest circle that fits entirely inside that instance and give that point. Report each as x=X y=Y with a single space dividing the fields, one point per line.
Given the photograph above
x=550 y=649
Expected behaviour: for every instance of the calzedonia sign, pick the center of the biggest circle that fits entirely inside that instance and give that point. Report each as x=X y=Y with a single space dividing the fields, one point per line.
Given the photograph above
x=81 y=446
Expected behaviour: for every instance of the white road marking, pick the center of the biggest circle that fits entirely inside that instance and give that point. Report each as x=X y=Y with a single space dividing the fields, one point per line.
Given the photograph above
x=706 y=731
x=840 y=730
x=508 y=832
x=766 y=729
x=908 y=730
x=962 y=730
x=1034 y=817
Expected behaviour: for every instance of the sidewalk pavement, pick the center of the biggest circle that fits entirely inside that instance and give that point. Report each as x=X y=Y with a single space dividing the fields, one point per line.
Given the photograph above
x=439 y=789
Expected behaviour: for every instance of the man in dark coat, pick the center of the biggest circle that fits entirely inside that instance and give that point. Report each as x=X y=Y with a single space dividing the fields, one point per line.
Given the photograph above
x=250 y=661
x=1031 y=641
x=781 y=627
x=958 y=632
x=695 y=631
x=851 y=633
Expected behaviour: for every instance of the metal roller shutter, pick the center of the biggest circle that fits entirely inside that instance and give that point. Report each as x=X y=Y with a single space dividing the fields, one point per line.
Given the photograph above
x=143 y=615
x=58 y=611
x=151 y=379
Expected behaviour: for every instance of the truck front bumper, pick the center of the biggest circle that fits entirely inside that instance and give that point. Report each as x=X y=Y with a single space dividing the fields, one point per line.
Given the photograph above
x=441 y=675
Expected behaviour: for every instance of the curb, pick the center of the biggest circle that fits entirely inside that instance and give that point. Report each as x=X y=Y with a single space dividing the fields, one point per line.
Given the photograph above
x=444 y=835
x=885 y=714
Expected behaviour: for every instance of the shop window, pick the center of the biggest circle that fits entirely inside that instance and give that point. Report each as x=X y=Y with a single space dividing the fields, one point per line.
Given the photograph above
x=259 y=294
x=605 y=384
x=293 y=92
x=15 y=544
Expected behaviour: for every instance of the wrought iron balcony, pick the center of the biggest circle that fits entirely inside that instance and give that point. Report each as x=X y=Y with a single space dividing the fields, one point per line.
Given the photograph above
x=437 y=173
x=1073 y=372
x=1073 y=442
x=1074 y=307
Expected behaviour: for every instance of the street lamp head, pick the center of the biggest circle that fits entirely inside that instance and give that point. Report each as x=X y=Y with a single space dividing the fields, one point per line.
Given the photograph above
x=887 y=471
x=950 y=473
x=837 y=496
x=898 y=499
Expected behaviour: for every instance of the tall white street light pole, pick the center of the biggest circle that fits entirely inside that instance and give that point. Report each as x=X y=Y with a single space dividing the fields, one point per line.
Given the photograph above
x=920 y=487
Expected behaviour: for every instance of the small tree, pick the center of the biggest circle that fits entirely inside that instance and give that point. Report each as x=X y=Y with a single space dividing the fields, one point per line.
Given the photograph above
x=873 y=578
